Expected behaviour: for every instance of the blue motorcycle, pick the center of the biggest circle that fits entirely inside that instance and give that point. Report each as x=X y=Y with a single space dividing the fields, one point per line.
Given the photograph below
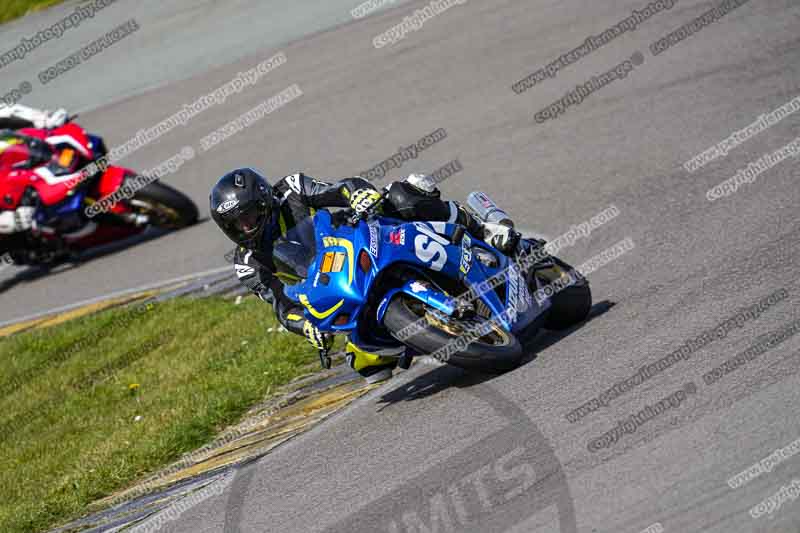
x=402 y=289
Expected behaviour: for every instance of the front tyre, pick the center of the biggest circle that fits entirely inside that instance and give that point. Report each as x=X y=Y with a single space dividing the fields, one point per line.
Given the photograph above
x=429 y=332
x=166 y=207
x=570 y=306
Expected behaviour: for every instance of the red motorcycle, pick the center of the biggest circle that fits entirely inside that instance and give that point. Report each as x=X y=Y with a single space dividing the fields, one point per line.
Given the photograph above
x=44 y=197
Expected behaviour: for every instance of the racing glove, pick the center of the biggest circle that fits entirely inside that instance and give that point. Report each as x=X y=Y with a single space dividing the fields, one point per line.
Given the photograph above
x=362 y=200
x=15 y=221
x=316 y=338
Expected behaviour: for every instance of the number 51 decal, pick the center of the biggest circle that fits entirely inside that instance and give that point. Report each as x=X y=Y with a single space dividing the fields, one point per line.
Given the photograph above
x=429 y=246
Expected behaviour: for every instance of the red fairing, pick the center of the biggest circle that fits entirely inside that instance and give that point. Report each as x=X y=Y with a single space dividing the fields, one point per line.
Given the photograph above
x=111 y=181
x=52 y=189
x=16 y=175
x=67 y=136
x=33 y=132
x=11 y=190
x=53 y=168
x=52 y=180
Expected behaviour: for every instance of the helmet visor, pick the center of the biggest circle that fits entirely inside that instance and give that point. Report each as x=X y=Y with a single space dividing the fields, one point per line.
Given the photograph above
x=249 y=222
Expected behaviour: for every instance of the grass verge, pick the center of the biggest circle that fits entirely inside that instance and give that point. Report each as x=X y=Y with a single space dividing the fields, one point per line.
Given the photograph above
x=11 y=9
x=89 y=406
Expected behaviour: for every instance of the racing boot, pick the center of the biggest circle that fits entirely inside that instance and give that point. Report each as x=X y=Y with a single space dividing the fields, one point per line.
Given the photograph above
x=502 y=237
x=498 y=228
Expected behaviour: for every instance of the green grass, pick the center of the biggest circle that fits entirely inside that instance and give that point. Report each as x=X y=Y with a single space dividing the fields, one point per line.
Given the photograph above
x=11 y=9
x=67 y=408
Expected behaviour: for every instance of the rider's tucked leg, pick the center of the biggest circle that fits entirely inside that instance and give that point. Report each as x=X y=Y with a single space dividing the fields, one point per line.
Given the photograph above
x=418 y=198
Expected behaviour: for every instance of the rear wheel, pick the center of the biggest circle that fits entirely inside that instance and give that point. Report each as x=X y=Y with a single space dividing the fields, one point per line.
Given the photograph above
x=432 y=332
x=166 y=207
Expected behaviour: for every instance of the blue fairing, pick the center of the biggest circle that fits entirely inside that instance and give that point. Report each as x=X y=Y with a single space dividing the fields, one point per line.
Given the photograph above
x=72 y=204
x=424 y=246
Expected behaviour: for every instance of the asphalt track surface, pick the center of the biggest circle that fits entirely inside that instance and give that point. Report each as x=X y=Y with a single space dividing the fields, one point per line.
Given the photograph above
x=435 y=449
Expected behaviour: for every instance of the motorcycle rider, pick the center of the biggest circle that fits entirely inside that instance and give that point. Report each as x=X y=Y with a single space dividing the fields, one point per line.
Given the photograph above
x=25 y=126
x=18 y=116
x=253 y=214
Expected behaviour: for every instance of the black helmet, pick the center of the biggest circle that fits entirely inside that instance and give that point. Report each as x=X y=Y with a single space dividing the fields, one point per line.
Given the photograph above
x=242 y=204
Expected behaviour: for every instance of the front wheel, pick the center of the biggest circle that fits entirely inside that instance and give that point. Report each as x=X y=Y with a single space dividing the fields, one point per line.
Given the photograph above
x=447 y=338
x=570 y=306
x=166 y=207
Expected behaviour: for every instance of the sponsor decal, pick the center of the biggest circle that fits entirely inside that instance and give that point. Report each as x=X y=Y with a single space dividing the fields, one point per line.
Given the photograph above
x=227 y=205
x=418 y=286
x=294 y=183
x=517 y=300
x=373 y=238
x=485 y=201
x=466 y=254
x=429 y=246
x=527 y=299
x=244 y=270
x=398 y=237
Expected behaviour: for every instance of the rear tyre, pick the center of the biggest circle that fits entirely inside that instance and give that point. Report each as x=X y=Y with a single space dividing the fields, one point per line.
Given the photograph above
x=166 y=207
x=496 y=351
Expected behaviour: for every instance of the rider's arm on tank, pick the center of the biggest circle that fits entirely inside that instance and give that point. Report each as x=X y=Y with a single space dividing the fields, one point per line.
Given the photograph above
x=259 y=279
x=288 y=312
x=19 y=116
x=320 y=194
